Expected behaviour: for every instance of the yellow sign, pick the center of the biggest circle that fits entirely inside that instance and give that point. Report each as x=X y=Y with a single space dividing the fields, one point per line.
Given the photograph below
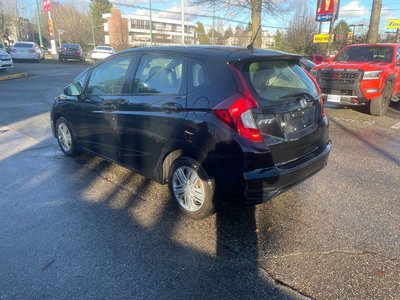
x=322 y=38
x=393 y=24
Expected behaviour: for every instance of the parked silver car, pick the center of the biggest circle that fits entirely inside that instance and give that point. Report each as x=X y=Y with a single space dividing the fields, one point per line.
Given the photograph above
x=6 y=61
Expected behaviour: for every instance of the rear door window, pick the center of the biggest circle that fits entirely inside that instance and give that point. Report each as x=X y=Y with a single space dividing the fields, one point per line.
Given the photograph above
x=198 y=74
x=159 y=75
x=279 y=80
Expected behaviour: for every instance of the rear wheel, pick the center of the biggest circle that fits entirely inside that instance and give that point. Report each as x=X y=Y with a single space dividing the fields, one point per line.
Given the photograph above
x=65 y=138
x=379 y=105
x=191 y=187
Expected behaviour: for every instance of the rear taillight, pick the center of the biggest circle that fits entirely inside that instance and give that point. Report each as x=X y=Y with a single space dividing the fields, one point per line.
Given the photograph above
x=236 y=110
x=321 y=102
x=239 y=117
x=321 y=99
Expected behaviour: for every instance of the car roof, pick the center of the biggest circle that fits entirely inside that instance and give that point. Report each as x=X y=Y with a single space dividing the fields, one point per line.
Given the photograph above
x=23 y=42
x=377 y=44
x=231 y=53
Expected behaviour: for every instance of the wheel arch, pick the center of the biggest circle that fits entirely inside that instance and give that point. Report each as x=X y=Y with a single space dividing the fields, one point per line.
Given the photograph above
x=172 y=155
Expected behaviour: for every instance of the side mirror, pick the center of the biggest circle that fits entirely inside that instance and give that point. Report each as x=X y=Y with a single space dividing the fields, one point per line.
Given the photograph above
x=329 y=59
x=398 y=62
x=73 y=89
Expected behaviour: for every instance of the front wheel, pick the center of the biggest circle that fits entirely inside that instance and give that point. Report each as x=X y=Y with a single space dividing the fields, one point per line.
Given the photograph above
x=65 y=138
x=191 y=187
x=379 y=105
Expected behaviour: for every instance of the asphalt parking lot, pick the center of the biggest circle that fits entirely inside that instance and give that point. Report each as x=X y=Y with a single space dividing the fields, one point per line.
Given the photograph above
x=86 y=228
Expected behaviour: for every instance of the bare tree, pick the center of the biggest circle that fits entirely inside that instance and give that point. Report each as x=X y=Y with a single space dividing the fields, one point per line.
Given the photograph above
x=256 y=7
x=71 y=22
x=374 y=22
x=299 y=37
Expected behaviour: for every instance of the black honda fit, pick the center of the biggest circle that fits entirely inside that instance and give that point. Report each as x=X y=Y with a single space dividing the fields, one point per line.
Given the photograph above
x=215 y=123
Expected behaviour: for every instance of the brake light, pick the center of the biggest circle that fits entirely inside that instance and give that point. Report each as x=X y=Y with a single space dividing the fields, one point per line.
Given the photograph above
x=236 y=110
x=239 y=117
x=321 y=103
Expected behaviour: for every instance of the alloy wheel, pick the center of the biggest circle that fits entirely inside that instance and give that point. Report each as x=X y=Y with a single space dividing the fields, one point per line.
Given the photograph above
x=64 y=136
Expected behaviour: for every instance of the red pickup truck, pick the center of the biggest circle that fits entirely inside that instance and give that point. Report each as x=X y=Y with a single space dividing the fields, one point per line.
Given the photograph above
x=363 y=74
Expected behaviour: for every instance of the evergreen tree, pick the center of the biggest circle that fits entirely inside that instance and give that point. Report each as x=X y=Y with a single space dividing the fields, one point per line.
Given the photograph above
x=97 y=9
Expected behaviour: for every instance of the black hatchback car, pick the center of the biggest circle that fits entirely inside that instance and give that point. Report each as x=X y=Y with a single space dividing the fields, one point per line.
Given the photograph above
x=215 y=123
x=71 y=51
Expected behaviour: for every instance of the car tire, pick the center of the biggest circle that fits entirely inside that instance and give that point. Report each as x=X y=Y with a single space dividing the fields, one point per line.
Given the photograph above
x=191 y=188
x=66 y=139
x=379 y=106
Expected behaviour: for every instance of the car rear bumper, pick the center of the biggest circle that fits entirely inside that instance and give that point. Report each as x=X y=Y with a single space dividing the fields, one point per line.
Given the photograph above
x=264 y=184
x=69 y=56
x=24 y=56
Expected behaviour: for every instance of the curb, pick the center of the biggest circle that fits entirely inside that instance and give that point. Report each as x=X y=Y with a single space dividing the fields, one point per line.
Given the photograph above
x=13 y=76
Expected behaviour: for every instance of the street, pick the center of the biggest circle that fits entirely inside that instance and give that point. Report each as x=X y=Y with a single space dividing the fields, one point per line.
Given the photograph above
x=86 y=228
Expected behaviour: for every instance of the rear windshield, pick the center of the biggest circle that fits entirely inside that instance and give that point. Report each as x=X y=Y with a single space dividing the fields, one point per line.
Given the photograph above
x=71 y=46
x=278 y=81
x=104 y=48
x=366 y=53
x=23 y=45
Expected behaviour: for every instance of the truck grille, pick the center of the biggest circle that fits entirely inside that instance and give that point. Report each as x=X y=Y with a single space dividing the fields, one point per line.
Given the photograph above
x=332 y=76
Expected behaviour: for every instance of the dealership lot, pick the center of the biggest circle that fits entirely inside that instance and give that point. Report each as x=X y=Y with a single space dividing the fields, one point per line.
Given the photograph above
x=84 y=227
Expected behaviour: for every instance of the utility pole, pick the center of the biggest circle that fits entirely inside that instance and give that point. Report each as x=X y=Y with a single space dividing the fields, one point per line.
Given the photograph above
x=151 y=27
x=213 y=27
x=183 y=22
x=39 y=24
x=331 y=26
x=373 y=30
x=91 y=23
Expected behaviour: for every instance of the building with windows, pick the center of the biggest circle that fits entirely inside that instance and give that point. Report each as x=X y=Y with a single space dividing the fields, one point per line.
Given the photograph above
x=135 y=29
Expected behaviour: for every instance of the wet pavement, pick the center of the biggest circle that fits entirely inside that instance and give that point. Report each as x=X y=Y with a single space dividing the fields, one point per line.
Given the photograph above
x=86 y=228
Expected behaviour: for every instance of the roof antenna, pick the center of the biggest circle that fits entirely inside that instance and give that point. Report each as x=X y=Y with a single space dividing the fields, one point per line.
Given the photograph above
x=250 y=46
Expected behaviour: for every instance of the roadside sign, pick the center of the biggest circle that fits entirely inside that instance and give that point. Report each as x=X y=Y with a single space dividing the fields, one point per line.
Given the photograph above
x=46 y=5
x=322 y=38
x=393 y=24
x=325 y=10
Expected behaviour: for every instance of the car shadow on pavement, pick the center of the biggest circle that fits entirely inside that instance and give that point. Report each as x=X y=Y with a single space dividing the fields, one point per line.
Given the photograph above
x=84 y=227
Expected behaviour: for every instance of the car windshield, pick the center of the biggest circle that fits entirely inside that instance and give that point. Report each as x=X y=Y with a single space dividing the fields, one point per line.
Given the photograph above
x=278 y=80
x=104 y=48
x=366 y=53
x=23 y=45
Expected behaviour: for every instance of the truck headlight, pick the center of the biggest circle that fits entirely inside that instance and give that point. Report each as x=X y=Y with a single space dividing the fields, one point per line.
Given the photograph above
x=372 y=74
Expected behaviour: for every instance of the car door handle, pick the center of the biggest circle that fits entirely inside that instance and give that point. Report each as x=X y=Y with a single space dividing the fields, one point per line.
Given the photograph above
x=122 y=101
x=109 y=107
x=171 y=107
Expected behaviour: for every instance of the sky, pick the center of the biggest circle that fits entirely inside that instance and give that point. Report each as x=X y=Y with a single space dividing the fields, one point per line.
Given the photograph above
x=352 y=11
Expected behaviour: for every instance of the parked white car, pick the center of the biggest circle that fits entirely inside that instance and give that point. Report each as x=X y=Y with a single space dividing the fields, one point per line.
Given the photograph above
x=6 y=61
x=26 y=50
x=101 y=52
